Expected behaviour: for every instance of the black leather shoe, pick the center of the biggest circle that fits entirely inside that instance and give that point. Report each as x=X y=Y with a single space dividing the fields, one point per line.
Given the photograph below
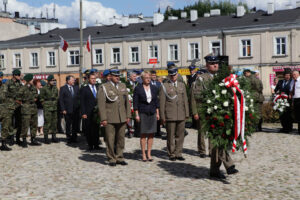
x=24 y=143
x=4 y=147
x=172 y=158
x=10 y=140
x=217 y=175
x=122 y=163
x=232 y=170
x=180 y=158
x=112 y=164
x=46 y=140
x=54 y=139
x=34 y=142
x=202 y=155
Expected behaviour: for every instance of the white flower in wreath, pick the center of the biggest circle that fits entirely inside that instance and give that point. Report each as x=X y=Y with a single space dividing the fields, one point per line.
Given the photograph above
x=275 y=107
x=217 y=96
x=208 y=101
x=221 y=84
x=280 y=109
x=251 y=105
x=247 y=96
x=214 y=91
x=225 y=104
x=224 y=91
x=251 y=100
x=215 y=107
x=246 y=108
x=287 y=104
x=209 y=110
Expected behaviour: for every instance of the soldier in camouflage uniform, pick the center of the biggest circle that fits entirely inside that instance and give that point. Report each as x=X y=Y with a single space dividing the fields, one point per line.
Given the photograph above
x=3 y=119
x=49 y=98
x=218 y=155
x=13 y=105
x=257 y=89
x=28 y=96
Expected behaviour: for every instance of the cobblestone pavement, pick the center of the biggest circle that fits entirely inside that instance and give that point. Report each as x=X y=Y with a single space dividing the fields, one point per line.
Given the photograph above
x=58 y=171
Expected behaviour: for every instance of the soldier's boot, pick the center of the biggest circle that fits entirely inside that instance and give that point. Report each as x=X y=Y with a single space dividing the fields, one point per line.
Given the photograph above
x=11 y=140
x=24 y=143
x=54 y=139
x=18 y=141
x=4 y=146
x=34 y=142
x=46 y=139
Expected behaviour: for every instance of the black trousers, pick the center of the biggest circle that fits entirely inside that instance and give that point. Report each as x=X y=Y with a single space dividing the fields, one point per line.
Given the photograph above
x=72 y=123
x=297 y=112
x=91 y=130
x=287 y=120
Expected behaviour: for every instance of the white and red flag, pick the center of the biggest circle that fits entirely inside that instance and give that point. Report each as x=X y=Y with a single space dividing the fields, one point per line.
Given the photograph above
x=63 y=44
x=89 y=44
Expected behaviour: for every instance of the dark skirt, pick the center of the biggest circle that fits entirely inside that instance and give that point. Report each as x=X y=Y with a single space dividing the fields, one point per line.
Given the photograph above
x=148 y=123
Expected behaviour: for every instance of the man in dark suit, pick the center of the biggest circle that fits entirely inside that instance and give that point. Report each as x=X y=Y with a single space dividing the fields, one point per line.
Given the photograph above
x=285 y=86
x=157 y=84
x=69 y=107
x=88 y=100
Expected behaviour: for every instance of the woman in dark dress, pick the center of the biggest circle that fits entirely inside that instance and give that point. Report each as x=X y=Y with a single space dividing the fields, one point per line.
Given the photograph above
x=146 y=105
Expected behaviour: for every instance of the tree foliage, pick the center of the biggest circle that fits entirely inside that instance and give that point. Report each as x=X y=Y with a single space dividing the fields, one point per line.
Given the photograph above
x=204 y=6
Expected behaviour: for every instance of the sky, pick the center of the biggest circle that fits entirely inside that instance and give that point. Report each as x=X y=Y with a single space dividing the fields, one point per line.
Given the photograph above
x=67 y=11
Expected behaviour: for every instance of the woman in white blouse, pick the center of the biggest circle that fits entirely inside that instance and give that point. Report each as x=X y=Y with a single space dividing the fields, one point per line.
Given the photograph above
x=146 y=105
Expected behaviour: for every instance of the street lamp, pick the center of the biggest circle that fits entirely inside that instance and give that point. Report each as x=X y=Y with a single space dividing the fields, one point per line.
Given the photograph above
x=81 y=43
x=5 y=4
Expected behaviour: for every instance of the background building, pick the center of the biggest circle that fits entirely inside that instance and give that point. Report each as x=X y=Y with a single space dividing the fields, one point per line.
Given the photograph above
x=262 y=41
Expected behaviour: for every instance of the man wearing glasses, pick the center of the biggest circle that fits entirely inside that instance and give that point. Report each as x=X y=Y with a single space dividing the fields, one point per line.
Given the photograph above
x=49 y=98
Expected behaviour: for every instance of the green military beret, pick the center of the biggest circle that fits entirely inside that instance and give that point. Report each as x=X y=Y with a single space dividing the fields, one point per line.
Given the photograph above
x=28 y=77
x=1 y=74
x=50 y=77
x=16 y=72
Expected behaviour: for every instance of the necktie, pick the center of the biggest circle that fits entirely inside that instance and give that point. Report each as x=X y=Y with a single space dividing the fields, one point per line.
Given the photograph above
x=284 y=83
x=71 y=90
x=94 y=91
x=175 y=85
x=294 y=86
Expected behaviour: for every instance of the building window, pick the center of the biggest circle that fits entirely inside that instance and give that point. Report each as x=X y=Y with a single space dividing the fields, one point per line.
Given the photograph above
x=116 y=55
x=153 y=51
x=280 y=46
x=173 y=52
x=245 y=48
x=17 y=60
x=34 y=60
x=215 y=48
x=194 y=52
x=51 y=58
x=98 y=56
x=134 y=55
x=2 y=64
x=74 y=57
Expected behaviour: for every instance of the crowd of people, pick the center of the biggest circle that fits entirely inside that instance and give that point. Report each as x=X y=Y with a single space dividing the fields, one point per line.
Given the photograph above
x=106 y=106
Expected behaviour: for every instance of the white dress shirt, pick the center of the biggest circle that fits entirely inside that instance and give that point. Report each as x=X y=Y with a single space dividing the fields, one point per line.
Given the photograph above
x=297 y=89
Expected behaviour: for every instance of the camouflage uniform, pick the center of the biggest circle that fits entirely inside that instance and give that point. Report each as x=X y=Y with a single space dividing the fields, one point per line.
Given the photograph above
x=49 y=99
x=28 y=96
x=11 y=89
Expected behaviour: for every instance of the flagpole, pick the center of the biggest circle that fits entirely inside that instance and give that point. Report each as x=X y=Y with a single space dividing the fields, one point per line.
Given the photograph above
x=81 y=49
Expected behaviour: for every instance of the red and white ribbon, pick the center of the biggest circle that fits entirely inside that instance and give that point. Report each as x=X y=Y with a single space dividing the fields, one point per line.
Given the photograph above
x=239 y=111
x=280 y=96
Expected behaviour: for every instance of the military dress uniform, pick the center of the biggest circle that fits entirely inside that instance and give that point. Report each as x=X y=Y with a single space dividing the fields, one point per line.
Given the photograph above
x=174 y=110
x=49 y=98
x=114 y=108
x=198 y=87
x=28 y=96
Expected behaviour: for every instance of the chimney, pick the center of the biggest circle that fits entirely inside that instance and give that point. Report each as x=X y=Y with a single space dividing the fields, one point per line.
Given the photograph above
x=194 y=15
x=125 y=21
x=271 y=8
x=31 y=30
x=240 y=11
x=206 y=15
x=215 y=12
x=298 y=4
x=183 y=15
x=44 y=28
x=158 y=18
x=172 y=18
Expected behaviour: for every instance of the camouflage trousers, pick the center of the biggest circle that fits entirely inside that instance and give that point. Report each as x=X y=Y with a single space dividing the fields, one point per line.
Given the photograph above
x=7 y=129
x=29 y=121
x=50 y=124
